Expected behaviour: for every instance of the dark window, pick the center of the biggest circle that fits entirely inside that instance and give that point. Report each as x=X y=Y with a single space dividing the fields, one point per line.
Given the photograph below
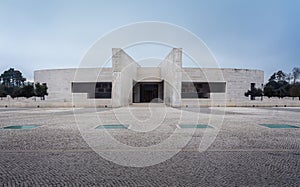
x=103 y=90
x=96 y=90
x=217 y=87
x=201 y=89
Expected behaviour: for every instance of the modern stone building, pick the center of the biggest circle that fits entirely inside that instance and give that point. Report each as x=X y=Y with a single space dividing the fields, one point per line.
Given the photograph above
x=126 y=83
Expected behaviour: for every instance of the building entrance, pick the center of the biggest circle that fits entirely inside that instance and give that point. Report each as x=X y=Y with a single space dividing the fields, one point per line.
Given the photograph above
x=148 y=92
x=145 y=92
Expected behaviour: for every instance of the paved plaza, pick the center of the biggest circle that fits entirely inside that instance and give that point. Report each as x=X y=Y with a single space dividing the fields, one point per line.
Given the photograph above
x=67 y=149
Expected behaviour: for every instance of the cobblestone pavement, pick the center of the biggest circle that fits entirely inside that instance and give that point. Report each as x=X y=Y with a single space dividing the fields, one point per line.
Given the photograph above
x=243 y=153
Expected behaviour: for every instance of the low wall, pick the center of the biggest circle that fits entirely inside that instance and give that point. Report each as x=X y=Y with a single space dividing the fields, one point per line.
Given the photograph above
x=37 y=103
x=32 y=103
x=266 y=102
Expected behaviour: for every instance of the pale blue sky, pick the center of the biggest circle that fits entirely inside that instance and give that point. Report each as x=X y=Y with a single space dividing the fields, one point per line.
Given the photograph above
x=258 y=34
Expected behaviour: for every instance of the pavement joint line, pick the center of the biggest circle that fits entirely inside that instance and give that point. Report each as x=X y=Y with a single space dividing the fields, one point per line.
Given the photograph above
x=148 y=150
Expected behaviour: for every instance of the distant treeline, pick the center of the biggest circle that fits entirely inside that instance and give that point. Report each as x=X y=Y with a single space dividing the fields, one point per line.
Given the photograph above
x=279 y=85
x=13 y=83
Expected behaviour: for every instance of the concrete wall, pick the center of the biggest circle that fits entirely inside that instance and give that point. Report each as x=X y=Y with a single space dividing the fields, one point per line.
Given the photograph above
x=171 y=68
x=148 y=74
x=238 y=81
x=124 y=73
x=137 y=92
x=59 y=83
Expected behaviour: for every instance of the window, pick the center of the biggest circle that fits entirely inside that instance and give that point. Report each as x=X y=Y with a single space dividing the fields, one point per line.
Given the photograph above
x=103 y=90
x=95 y=90
x=201 y=89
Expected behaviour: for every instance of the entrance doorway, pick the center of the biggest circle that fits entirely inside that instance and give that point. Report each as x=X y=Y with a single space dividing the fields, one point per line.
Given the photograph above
x=146 y=92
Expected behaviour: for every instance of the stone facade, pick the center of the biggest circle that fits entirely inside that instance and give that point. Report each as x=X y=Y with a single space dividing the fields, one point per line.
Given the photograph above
x=131 y=83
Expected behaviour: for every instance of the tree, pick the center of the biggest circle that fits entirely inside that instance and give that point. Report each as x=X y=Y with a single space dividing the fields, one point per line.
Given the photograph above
x=27 y=91
x=2 y=92
x=41 y=90
x=13 y=84
x=278 y=85
x=14 y=92
x=273 y=77
x=12 y=78
x=295 y=90
x=289 y=77
x=280 y=76
x=255 y=92
x=296 y=74
x=269 y=91
x=283 y=89
x=277 y=89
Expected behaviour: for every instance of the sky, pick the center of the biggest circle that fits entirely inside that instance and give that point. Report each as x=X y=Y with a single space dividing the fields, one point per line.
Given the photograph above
x=253 y=34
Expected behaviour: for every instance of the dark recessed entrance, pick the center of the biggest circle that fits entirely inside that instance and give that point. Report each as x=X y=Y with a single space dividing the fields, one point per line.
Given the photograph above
x=149 y=92
x=145 y=92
